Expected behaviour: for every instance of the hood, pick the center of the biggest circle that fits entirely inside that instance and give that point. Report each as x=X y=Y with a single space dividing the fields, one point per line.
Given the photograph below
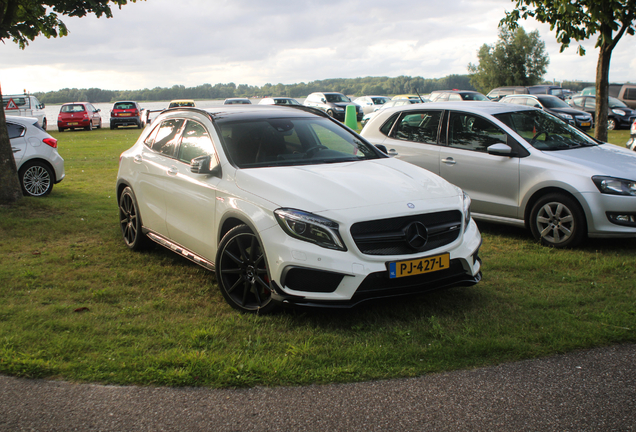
x=338 y=186
x=571 y=111
x=344 y=104
x=605 y=159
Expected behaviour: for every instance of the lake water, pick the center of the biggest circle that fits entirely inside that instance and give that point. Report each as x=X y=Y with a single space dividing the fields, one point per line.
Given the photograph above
x=53 y=110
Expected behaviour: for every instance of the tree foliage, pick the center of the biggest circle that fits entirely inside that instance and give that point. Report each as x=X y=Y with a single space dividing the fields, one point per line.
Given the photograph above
x=517 y=59
x=349 y=86
x=22 y=21
x=580 y=20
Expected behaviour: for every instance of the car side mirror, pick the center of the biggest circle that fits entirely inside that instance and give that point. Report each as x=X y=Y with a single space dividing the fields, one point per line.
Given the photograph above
x=203 y=165
x=499 y=150
x=537 y=106
x=42 y=106
x=323 y=100
x=382 y=148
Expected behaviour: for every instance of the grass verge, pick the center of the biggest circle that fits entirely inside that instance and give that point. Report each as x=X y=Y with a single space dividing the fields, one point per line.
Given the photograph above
x=76 y=304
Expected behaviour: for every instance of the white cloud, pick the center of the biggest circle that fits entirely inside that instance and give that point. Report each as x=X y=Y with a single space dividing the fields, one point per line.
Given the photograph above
x=191 y=42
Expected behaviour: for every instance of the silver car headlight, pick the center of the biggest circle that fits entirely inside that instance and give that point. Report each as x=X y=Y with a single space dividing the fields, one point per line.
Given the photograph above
x=619 y=112
x=565 y=116
x=310 y=228
x=615 y=186
x=466 y=208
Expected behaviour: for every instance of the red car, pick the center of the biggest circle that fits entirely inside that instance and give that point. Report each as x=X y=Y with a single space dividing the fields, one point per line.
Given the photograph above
x=76 y=115
x=126 y=113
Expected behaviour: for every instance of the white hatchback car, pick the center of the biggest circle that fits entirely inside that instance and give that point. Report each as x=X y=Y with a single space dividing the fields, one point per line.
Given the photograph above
x=289 y=206
x=35 y=152
x=520 y=165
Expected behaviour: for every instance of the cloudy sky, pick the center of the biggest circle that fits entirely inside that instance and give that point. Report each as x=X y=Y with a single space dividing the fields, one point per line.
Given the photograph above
x=160 y=43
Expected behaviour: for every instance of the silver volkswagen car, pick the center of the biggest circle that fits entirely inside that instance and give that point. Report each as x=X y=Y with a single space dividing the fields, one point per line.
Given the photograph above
x=520 y=165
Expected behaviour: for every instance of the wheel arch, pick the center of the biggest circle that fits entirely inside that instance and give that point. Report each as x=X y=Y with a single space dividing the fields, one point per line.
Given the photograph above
x=548 y=190
x=43 y=162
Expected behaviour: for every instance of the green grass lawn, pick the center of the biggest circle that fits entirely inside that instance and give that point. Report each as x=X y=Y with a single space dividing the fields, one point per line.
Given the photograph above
x=76 y=304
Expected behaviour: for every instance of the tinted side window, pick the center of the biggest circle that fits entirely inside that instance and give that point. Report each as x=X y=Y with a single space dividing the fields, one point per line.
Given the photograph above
x=470 y=132
x=419 y=127
x=195 y=142
x=15 y=130
x=590 y=103
x=630 y=94
x=388 y=125
x=166 y=138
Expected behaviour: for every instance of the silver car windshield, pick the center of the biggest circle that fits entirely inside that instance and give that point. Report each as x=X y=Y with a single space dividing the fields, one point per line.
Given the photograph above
x=544 y=131
x=259 y=143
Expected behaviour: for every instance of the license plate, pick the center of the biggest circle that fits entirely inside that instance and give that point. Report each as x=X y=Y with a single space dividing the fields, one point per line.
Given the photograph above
x=124 y=114
x=585 y=124
x=73 y=124
x=418 y=266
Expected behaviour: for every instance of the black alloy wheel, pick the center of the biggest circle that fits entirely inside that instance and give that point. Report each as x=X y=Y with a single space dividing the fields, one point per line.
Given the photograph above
x=36 y=179
x=558 y=220
x=130 y=221
x=241 y=272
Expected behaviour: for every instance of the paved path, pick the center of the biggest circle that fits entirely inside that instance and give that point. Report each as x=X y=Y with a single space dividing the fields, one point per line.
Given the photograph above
x=593 y=390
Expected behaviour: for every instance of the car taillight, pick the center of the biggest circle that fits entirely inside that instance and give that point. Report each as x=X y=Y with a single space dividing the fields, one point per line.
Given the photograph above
x=50 y=142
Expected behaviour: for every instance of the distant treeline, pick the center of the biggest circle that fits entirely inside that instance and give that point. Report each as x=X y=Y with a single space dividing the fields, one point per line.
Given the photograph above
x=348 y=86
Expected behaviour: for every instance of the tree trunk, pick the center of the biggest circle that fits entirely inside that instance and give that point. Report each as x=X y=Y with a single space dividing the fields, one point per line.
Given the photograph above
x=602 y=92
x=10 y=189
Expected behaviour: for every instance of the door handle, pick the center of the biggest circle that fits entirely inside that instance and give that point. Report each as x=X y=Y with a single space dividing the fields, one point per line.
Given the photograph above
x=137 y=159
x=449 y=161
x=173 y=171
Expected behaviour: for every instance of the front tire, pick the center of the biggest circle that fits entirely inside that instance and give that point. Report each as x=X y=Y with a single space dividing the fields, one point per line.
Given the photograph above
x=36 y=179
x=611 y=124
x=557 y=220
x=241 y=272
x=330 y=113
x=130 y=221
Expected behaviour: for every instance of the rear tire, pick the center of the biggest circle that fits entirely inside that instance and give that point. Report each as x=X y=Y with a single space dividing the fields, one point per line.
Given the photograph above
x=130 y=221
x=60 y=129
x=36 y=179
x=89 y=127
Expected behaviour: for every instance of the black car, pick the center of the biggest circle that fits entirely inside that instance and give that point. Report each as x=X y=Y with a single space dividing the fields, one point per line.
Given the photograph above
x=619 y=115
x=333 y=103
x=553 y=105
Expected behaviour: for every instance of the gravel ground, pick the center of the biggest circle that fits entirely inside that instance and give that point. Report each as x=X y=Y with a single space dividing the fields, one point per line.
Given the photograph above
x=591 y=390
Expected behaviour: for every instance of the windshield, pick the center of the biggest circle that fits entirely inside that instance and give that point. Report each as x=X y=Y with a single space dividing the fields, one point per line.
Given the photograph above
x=380 y=100
x=336 y=97
x=616 y=103
x=553 y=102
x=544 y=131
x=289 y=142
x=283 y=101
x=474 y=97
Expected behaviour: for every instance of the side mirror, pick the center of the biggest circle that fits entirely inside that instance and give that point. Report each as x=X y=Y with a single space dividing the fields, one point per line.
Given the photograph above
x=42 y=106
x=499 y=150
x=323 y=100
x=382 y=148
x=203 y=165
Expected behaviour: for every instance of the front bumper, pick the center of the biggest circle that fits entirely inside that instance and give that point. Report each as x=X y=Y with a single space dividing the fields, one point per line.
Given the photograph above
x=600 y=211
x=308 y=275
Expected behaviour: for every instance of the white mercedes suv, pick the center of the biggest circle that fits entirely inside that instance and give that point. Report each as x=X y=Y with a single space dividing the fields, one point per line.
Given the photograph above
x=288 y=206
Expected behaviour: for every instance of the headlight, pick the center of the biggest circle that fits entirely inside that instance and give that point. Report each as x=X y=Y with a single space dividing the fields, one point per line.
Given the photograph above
x=615 y=186
x=339 y=109
x=619 y=112
x=310 y=227
x=466 y=209
x=565 y=116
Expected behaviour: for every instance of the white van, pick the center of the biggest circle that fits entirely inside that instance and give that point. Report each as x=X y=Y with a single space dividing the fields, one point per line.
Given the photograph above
x=24 y=105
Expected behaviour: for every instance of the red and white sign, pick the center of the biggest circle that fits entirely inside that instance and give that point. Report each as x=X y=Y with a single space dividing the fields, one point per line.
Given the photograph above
x=11 y=105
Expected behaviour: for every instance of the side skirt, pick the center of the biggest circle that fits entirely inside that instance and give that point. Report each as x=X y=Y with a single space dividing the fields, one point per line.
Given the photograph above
x=180 y=250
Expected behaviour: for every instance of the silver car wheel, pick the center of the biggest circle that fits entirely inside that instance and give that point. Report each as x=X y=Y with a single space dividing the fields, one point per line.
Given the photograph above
x=37 y=180
x=557 y=220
